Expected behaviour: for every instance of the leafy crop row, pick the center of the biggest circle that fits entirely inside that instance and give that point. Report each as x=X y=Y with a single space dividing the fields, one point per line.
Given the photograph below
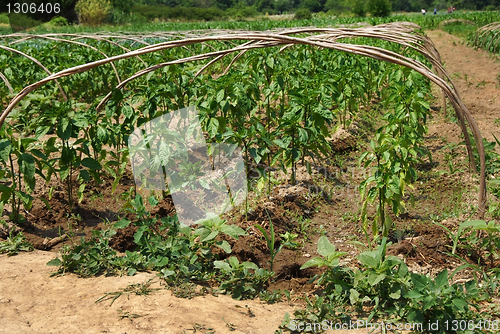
x=280 y=109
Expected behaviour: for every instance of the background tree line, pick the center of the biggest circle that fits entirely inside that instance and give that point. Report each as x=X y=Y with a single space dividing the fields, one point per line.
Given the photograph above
x=94 y=12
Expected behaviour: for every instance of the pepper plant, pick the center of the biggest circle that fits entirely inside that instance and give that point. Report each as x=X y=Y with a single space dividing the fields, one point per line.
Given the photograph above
x=17 y=168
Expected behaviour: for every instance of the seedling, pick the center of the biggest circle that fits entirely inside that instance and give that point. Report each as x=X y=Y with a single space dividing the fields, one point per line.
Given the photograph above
x=140 y=289
x=128 y=315
x=232 y=327
x=270 y=240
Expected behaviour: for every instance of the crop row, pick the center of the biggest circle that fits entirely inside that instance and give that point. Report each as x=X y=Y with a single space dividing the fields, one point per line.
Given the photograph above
x=279 y=106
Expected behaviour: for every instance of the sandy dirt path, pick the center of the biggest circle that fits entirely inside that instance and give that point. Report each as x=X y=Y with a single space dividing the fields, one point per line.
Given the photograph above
x=476 y=75
x=33 y=302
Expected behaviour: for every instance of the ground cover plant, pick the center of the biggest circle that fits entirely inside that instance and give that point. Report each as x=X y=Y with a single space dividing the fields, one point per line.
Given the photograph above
x=65 y=141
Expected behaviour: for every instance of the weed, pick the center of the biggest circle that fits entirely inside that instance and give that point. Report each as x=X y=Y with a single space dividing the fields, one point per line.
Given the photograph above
x=201 y=327
x=185 y=290
x=248 y=311
x=270 y=297
x=270 y=240
x=438 y=301
x=140 y=289
x=289 y=239
x=482 y=83
x=243 y=280
x=232 y=327
x=457 y=236
x=128 y=315
x=15 y=244
x=95 y=257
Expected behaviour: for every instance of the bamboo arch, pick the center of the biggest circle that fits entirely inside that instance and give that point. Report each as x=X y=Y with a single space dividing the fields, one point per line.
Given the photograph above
x=36 y=62
x=328 y=39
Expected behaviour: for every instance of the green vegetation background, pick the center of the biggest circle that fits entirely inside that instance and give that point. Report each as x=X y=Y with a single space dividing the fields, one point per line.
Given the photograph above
x=97 y=12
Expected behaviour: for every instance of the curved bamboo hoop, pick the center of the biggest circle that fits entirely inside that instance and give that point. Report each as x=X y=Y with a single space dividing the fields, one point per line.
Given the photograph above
x=7 y=83
x=256 y=40
x=492 y=28
x=39 y=64
x=84 y=45
x=71 y=41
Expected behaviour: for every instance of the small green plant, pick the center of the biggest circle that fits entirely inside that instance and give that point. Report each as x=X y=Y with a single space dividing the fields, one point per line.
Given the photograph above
x=15 y=244
x=270 y=297
x=450 y=156
x=95 y=257
x=381 y=281
x=456 y=237
x=431 y=301
x=140 y=289
x=395 y=151
x=289 y=239
x=128 y=315
x=329 y=256
x=243 y=280
x=492 y=243
x=270 y=240
x=18 y=168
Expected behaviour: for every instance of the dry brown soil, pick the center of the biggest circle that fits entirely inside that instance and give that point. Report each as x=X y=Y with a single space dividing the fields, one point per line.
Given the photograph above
x=33 y=302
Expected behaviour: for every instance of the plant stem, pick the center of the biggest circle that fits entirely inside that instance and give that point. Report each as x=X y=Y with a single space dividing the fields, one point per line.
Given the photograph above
x=15 y=207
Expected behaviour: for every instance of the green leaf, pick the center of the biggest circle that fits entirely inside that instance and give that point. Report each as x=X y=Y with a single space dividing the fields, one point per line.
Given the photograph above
x=420 y=281
x=55 y=262
x=442 y=279
x=429 y=302
x=28 y=165
x=64 y=129
x=375 y=279
x=413 y=294
x=280 y=143
x=270 y=62
x=460 y=303
x=39 y=154
x=213 y=127
x=303 y=136
x=204 y=183
x=80 y=192
x=249 y=265
x=254 y=154
x=91 y=164
x=5 y=147
x=127 y=111
x=348 y=90
x=368 y=259
x=223 y=265
x=325 y=248
x=167 y=272
x=220 y=95
x=232 y=230
x=395 y=295
x=211 y=236
x=353 y=296
x=84 y=174
x=233 y=261
x=317 y=261
x=122 y=223
x=224 y=245
x=67 y=155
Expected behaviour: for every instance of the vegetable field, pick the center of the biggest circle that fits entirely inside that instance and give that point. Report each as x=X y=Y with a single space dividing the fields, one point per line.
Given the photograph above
x=368 y=189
